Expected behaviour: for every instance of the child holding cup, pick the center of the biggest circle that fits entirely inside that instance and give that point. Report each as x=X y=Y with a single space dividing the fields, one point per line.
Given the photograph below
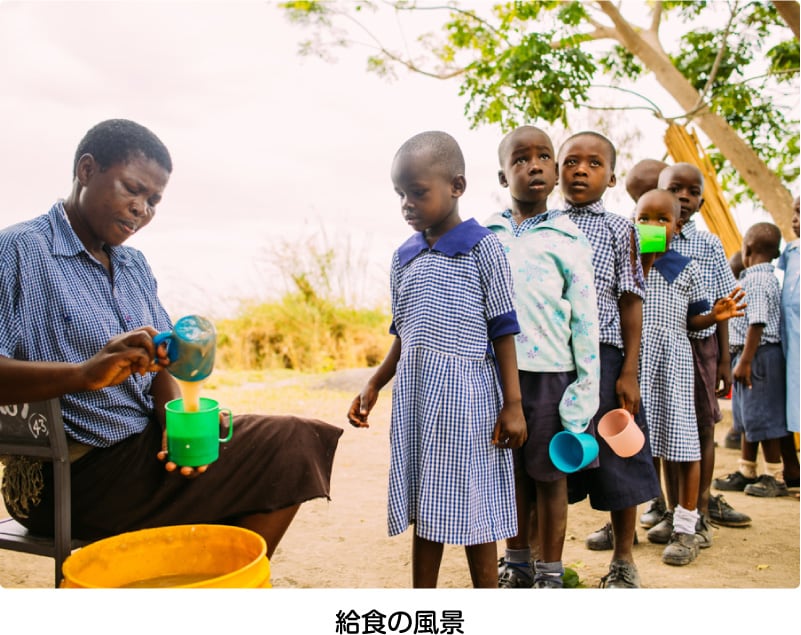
x=557 y=348
x=675 y=302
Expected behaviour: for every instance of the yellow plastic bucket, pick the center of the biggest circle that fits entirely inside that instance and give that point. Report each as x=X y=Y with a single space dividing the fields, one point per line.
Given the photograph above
x=180 y=556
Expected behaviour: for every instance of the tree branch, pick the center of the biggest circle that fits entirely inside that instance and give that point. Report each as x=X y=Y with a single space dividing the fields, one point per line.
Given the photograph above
x=718 y=58
x=656 y=18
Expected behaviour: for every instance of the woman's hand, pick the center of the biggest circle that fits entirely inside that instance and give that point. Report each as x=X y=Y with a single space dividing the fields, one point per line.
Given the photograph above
x=124 y=355
x=171 y=466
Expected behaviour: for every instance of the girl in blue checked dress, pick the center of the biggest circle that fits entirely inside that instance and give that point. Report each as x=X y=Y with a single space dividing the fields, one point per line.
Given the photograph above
x=675 y=301
x=456 y=404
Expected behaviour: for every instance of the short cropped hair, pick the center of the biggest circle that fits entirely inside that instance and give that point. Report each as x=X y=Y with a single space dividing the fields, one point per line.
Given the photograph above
x=441 y=147
x=116 y=140
x=765 y=238
x=592 y=133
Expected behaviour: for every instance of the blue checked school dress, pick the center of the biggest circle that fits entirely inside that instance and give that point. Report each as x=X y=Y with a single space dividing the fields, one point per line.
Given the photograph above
x=448 y=302
x=674 y=291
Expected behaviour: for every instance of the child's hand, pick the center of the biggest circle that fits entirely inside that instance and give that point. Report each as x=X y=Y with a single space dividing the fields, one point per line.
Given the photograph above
x=628 y=392
x=742 y=373
x=361 y=406
x=510 y=428
x=730 y=306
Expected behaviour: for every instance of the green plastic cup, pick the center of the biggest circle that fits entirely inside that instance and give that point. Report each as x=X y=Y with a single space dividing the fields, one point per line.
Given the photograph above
x=193 y=438
x=653 y=239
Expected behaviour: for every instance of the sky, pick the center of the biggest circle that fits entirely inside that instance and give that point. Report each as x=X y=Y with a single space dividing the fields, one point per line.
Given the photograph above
x=277 y=157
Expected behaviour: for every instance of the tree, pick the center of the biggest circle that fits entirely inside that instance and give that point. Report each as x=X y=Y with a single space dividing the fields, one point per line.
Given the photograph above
x=734 y=71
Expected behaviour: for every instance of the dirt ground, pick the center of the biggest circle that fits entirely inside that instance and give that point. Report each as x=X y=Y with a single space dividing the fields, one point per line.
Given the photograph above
x=342 y=543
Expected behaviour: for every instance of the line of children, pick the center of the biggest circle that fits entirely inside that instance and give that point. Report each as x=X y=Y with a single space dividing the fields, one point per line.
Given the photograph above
x=456 y=404
x=557 y=348
x=676 y=300
x=469 y=462
x=759 y=394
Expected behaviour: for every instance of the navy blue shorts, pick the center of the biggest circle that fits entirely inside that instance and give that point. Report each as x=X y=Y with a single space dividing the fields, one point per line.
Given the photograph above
x=542 y=393
x=760 y=411
x=617 y=483
x=705 y=362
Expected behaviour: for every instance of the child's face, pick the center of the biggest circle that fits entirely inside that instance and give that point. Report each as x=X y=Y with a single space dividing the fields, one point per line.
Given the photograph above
x=529 y=166
x=429 y=198
x=585 y=169
x=795 y=217
x=686 y=183
x=658 y=208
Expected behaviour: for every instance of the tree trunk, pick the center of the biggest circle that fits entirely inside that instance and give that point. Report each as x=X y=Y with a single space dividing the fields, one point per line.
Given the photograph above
x=766 y=185
x=790 y=14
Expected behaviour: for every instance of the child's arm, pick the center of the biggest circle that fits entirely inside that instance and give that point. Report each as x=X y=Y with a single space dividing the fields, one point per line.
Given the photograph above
x=723 y=309
x=724 y=360
x=742 y=372
x=363 y=403
x=510 y=427
x=627 y=385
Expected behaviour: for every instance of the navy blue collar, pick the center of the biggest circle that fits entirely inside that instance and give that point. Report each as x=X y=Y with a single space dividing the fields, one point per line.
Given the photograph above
x=671 y=264
x=459 y=240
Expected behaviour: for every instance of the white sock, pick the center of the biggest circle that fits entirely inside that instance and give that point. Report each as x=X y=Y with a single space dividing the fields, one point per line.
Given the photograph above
x=775 y=470
x=747 y=468
x=684 y=520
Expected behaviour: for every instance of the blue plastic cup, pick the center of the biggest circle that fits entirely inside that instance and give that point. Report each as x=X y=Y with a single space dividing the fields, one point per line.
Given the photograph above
x=191 y=347
x=571 y=452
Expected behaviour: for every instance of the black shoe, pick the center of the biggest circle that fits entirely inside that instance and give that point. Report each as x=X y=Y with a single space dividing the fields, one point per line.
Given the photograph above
x=703 y=532
x=661 y=532
x=515 y=575
x=721 y=513
x=682 y=549
x=733 y=440
x=622 y=575
x=767 y=487
x=603 y=539
x=734 y=482
x=652 y=515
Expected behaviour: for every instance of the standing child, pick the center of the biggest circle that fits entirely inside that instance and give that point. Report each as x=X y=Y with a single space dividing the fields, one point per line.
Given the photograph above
x=788 y=262
x=758 y=399
x=675 y=301
x=557 y=347
x=586 y=169
x=711 y=360
x=454 y=424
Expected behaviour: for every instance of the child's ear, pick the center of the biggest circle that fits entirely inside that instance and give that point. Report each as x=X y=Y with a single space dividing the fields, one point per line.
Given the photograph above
x=458 y=185
x=502 y=179
x=612 y=181
x=700 y=203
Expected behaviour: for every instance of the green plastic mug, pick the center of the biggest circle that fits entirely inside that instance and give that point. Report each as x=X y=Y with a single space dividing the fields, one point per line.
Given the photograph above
x=193 y=438
x=653 y=239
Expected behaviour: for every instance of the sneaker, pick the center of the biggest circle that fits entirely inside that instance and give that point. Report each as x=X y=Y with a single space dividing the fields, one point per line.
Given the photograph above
x=767 y=487
x=622 y=575
x=603 y=539
x=515 y=575
x=734 y=482
x=703 y=532
x=721 y=513
x=652 y=515
x=682 y=549
x=661 y=532
x=733 y=440
x=545 y=581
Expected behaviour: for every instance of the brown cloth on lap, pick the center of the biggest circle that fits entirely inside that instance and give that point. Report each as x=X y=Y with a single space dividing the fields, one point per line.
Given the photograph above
x=272 y=462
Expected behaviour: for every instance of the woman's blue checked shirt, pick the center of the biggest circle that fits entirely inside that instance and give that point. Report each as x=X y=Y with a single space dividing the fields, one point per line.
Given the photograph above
x=58 y=303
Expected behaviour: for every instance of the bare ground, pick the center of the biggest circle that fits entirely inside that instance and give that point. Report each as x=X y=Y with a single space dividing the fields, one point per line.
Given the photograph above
x=342 y=543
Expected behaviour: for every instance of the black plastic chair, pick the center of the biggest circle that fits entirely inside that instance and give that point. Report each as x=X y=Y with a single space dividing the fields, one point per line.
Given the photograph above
x=37 y=430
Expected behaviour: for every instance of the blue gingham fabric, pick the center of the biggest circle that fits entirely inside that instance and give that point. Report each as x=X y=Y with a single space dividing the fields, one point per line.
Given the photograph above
x=617 y=269
x=448 y=302
x=707 y=251
x=58 y=303
x=763 y=296
x=675 y=290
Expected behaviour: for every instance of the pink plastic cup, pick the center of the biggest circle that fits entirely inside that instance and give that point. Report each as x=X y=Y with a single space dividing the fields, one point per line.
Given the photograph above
x=621 y=432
